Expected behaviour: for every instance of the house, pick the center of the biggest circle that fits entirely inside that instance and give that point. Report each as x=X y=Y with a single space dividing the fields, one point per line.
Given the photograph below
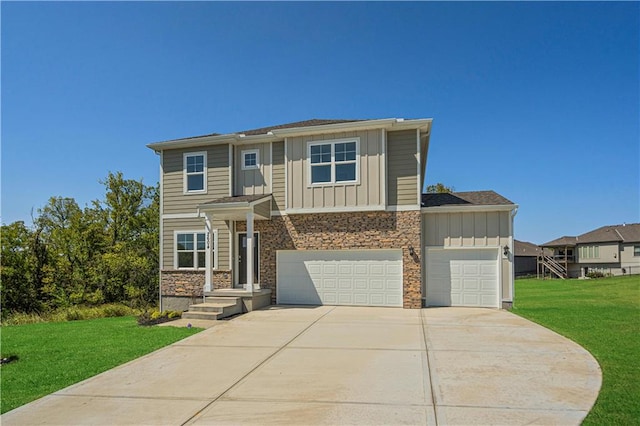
x=526 y=258
x=326 y=212
x=612 y=249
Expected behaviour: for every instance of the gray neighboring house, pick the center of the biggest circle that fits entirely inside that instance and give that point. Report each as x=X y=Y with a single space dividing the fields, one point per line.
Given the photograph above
x=326 y=212
x=526 y=258
x=612 y=249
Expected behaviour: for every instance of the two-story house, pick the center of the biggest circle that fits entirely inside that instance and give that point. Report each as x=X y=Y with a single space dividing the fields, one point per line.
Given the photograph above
x=612 y=249
x=326 y=212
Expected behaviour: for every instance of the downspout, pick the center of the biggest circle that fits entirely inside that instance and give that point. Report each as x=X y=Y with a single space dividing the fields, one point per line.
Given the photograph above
x=512 y=215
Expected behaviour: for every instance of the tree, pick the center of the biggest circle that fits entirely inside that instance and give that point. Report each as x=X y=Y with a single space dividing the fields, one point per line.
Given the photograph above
x=440 y=188
x=20 y=269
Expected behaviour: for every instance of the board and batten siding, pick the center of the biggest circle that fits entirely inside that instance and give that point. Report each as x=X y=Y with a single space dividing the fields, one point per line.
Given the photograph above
x=253 y=181
x=195 y=224
x=402 y=168
x=278 y=179
x=174 y=199
x=365 y=193
x=473 y=229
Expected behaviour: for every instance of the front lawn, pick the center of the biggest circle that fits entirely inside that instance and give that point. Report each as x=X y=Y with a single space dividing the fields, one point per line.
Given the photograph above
x=52 y=356
x=603 y=316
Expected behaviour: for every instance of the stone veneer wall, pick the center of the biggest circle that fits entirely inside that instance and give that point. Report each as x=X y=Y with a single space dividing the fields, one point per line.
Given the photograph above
x=343 y=231
x=187 y=283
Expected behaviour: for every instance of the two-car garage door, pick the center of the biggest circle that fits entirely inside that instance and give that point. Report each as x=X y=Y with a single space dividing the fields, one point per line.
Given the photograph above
x=462 y=277
x=340 y=277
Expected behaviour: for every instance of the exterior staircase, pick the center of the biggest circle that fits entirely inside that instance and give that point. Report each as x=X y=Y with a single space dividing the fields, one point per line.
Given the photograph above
x=214 y=308
x=553 y=266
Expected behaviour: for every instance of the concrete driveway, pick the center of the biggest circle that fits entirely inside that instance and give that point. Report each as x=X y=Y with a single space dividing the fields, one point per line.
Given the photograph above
x=342 y=365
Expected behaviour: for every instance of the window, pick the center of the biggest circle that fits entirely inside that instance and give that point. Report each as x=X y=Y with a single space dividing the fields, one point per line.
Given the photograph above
x=195 y=172
x=191 y=250
x=250 y=159
x=589 y=252
x=636 y=250
x=333 y=162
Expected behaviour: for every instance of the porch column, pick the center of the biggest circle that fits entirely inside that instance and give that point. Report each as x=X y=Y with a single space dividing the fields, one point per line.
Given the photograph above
x=208 y=255
x=249 y=287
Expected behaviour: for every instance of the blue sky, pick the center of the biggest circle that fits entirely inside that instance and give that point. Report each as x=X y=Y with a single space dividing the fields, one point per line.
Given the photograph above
x=537 y=101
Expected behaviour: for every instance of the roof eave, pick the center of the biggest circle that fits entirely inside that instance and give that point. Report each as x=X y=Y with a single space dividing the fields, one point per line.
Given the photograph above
x=469 y=208
x=278 y=134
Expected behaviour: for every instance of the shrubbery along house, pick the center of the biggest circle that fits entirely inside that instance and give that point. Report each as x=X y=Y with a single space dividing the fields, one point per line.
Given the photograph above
x=326 y=212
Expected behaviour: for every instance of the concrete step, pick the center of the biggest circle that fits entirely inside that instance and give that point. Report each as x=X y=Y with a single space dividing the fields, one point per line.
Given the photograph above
x=214 y=310
x=210 y=316
x=221 y=299
x=210 y=307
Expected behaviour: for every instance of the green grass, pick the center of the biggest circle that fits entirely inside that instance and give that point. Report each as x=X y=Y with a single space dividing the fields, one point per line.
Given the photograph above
x=55 y=355
x=603 y=316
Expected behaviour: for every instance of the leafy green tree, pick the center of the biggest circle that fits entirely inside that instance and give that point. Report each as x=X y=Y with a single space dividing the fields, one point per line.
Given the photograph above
x=20 y=270
x=440 y=188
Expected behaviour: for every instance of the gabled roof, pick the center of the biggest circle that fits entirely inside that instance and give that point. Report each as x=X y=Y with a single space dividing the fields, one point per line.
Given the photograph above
x=476 y=198
x=304 y=123
x=297 y=128
x=627 y=233
x=562 y=241
x=524 y=248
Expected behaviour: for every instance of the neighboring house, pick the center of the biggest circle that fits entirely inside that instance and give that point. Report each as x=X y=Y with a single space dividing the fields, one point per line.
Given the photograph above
x=613 y=249
x=334 y=213
x=526 y=258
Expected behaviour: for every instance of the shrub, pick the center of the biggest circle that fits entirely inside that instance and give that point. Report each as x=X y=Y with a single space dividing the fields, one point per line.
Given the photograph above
x=156 y=317
x=72 y=313
x=595 y=274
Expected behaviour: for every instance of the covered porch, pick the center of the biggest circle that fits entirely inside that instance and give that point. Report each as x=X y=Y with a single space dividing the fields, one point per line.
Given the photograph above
x=244 y=246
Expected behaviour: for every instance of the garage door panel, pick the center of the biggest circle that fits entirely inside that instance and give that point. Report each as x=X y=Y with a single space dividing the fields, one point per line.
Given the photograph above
x=462 y=277
x=340 y=277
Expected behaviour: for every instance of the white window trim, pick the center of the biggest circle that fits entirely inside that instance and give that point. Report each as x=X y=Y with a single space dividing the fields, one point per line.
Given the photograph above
x=250 y=151
x=333 y=143
x=184 y=172
x=214 y=233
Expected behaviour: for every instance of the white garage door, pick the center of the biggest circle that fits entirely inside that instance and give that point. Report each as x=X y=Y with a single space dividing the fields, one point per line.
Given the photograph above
x=340 y=277
x=462 y=277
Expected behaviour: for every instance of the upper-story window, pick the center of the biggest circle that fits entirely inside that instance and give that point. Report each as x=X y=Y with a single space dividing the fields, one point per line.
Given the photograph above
x=195 y=172
x=636 y=250
x=589 y=252
x=250 y=159
x=333 y=161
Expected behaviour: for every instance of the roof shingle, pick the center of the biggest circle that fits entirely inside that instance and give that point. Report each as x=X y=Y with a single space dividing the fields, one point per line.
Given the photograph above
x=478 y=198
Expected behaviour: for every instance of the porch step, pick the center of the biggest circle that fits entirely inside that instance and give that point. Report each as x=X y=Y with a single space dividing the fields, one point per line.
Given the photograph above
x=217 y=309
x=211 y=316
x=222 y=299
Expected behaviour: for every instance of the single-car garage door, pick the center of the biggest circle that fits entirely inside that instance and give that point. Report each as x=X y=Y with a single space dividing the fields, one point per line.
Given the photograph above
x=340 y=277
x=462 y=277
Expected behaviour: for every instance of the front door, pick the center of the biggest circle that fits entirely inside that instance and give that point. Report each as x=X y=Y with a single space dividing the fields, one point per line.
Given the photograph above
x=242 y=256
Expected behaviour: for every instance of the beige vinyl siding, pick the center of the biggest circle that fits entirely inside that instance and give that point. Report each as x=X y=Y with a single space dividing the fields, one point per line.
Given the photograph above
x=174 y=199
x=196 y=224
x=263 y=209
x=607 y=253
x=278 y=184
x=402 y=168
x=253 y=181
x=477 y=229
x=626 y=254
x=473 y=229
x=364 y=193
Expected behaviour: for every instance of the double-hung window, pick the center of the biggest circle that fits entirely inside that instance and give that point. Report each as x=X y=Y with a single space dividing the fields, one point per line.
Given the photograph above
x=191 y=250
x=589 y=252
x=636 y=250
x=195 y=172
x=333 y=161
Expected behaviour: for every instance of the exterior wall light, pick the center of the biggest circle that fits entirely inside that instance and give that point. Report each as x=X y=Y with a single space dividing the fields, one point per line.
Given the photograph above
x=411 y=251
x=505 y=250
